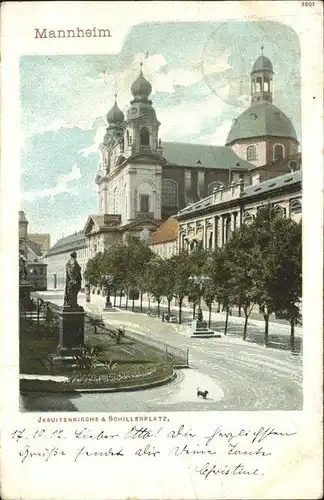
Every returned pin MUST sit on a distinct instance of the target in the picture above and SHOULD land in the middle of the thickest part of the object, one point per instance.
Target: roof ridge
(194, 144)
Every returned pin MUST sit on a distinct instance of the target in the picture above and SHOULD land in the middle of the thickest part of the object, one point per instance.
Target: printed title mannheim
(73, 33)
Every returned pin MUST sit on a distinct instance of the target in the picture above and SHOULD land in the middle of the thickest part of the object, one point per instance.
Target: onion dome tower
(115, 119)
(262, 133)
(141, 130)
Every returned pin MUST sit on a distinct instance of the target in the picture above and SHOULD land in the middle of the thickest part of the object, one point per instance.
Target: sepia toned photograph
(160, 223)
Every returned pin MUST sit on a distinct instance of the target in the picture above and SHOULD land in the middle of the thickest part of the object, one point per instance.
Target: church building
(142, 181)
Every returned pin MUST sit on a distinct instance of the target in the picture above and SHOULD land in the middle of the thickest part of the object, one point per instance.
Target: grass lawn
(111, 364)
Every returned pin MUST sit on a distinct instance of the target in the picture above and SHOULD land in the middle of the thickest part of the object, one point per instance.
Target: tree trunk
(209, 315)
(126, 305)
(149, 301)
(158, 307)
(266, 329)
(180, 311)
(245, 322)
(133, 304)
(141, 302)
(226, 321)
(169, 305)
(120, 298)
(194, 310)
(292, 334)
(115, 298)
(239, 310)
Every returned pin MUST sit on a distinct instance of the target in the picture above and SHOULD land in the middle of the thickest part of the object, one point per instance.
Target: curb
(149, 385)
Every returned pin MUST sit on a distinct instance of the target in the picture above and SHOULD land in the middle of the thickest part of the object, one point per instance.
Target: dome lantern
(261, 80)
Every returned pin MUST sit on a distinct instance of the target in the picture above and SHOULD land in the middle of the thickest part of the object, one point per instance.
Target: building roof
(168, 231)
(262, 63)
(272, 184)
(253, 190)
(201, 155)
(42, 239)
(35, 248)
(74, 241)
(259, 120)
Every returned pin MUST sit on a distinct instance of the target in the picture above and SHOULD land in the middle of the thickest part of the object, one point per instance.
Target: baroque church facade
(142, 180)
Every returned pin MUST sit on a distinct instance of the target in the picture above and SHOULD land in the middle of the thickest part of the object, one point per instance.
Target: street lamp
(108, 280)
(201, 281)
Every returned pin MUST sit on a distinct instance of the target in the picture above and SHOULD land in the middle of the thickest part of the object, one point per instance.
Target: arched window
(169, 193)
(251, 153)
(293, 166)
(266, 85)
(214, 186)
(295, 207)
(248, 218)
(115, 201)
(278, 152)
(258, 84)
(145, 137)
(280, 210)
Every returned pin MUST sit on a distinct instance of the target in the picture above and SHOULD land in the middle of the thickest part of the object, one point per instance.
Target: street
(238, 375)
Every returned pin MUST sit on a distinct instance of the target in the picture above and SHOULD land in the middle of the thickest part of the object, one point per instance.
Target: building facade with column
(59, 254)
(211, 222)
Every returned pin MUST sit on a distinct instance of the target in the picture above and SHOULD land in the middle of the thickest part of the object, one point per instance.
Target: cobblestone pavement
(238, 375)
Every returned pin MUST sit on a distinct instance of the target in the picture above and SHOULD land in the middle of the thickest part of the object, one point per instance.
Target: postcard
(161, 250)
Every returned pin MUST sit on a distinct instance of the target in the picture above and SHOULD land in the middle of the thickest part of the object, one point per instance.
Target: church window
(214, 186)
(145, 137)
(278, 152)
(129, 138)
(266, 85)
(280, 211)
(251, 153)
(169, 193)
(258, 84)
(295, 207)
(248, 218)
(144, 203)
(293, 166)
(115, 201)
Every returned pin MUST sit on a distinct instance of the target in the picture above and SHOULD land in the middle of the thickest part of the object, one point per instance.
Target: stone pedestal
(199, 329)
(71, 328)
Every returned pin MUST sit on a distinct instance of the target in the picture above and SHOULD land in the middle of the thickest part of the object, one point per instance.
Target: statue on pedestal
(73, 282)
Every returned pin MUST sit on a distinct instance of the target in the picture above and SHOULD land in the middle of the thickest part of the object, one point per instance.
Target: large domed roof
(261, 119)
(262, 63)
(141, 88)
(115, 115)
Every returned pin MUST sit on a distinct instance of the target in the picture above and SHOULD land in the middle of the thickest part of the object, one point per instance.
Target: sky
(200, 75)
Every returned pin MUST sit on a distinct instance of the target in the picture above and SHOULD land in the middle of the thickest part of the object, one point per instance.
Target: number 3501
(308, 4)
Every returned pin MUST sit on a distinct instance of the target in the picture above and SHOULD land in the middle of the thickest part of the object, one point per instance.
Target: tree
(219, 271)
(156, 280)
(277, 266)
(94, 270)
(182, 266)
(288, 288)
(241, 255)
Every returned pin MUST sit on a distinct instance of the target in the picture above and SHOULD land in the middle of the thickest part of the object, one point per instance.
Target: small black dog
(202, 393)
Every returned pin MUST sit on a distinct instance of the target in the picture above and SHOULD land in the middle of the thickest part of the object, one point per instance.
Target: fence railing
(179, 356)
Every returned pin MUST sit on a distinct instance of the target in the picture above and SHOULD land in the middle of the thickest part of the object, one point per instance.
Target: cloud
(62, 186)
(185, 123)
(94, 148)
(217, 138)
